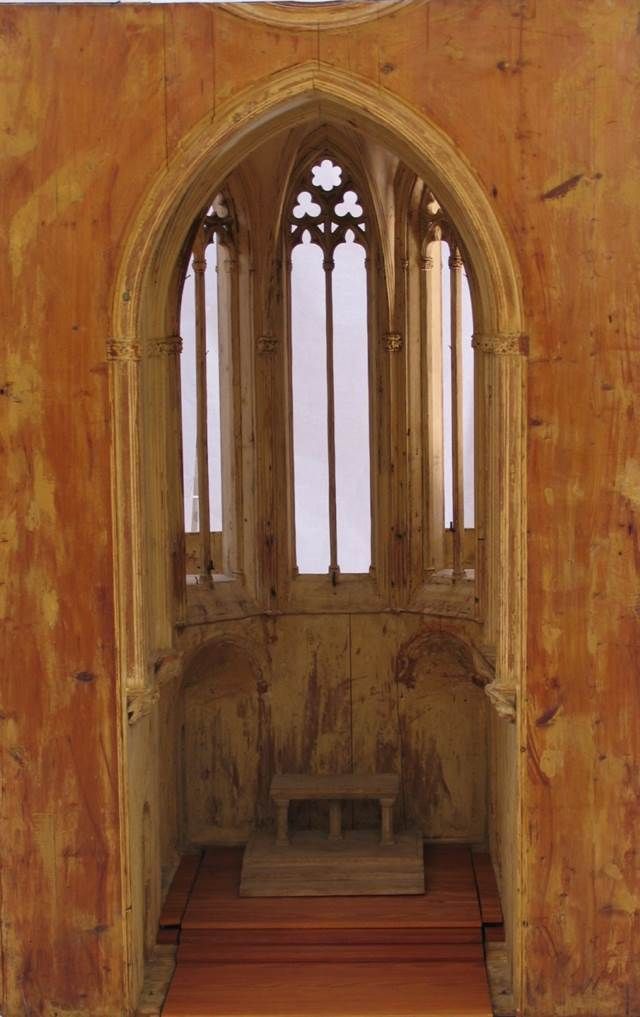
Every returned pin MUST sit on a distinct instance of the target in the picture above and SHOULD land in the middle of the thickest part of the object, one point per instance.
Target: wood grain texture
(345, 785)
(175, 902)
(62, 875)
(331, 695)
(312, 864)
(487, 888)
(340, 955)
(541, 100)
(320, 990)
(451, 903)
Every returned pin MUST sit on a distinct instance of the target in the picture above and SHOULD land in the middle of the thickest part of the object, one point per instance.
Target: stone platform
(313, 865)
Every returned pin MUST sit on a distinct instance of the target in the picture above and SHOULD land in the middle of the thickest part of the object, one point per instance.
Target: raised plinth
(313, 865)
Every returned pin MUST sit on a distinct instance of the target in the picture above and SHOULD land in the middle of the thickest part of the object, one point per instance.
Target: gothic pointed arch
(151, 605)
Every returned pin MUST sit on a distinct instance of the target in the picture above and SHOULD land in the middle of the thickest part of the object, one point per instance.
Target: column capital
(392, 341)
(503, 700)
(165, 346)
(135, 349)
(124, 349)
(501, 343)
(267, 344)
(140, 702)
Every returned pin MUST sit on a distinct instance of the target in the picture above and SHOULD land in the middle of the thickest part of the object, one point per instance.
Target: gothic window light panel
(202, 438)
(327, 239)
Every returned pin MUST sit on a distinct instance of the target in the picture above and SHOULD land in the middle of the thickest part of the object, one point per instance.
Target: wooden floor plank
(329, 990)
(213, 938)
(201, 951)
(178, 895)
(490, 907)
(450, 901)
(402, 956)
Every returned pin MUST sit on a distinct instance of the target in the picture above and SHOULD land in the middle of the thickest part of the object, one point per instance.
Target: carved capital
(501, 343)
(135, 349)
(140, 702)
(392, 342)
(267, 344)
(503, 700)
(165, 347)
(166, 666)
(123, 349)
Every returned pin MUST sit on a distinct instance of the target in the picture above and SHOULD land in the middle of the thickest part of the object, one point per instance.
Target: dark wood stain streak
(561, 189)
(548, 716)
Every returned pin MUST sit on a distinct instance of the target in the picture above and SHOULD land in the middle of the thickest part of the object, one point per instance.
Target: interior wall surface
(332, 694)
(541, 99)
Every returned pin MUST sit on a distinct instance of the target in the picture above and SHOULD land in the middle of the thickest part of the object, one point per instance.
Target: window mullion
(328, 265)
(457, 446)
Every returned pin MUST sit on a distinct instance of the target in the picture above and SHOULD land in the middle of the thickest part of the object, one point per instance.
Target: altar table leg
(335, 821)
(386, 807)
(282, 835)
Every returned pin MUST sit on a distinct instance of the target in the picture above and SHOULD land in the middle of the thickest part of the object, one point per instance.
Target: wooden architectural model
(338, 862)
(319, 389)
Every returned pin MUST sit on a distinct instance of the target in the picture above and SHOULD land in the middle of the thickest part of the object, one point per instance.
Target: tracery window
(347, 449)
(206, 331)
(327, 238)
(448, 339)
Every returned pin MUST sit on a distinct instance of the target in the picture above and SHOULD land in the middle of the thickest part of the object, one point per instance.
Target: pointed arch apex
(293, 96)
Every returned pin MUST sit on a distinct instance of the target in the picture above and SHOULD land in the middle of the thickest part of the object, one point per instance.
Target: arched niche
(149, 583)
(225, 746)
(443, 726)
(145, 337)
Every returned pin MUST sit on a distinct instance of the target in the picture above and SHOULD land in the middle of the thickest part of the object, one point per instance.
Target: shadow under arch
(144, 333)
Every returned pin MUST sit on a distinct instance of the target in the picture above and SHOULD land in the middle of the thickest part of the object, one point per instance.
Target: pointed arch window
(206, 325)
(327, 237)
(450, 438)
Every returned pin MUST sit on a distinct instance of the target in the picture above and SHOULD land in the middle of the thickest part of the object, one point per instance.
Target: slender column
(433, 467)
(282, 834)
(334, 569)
(202, 451)
(386, 809)
(457, 434)
(502, 358)
(124, 355)
(335, 820)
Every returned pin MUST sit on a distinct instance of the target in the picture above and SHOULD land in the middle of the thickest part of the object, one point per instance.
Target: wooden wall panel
(61, 883)
(189, 68)
(442, 718)
(374, 697)
(541, 99)
(329, 696)
(581, 877)
(221, 719)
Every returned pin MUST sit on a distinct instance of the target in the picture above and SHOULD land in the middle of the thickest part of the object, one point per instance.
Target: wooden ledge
(301, 786)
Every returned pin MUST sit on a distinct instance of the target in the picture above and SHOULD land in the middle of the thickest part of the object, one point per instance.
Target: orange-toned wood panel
(451, 902)
(190, 68)
(487, 888)
(181, 885)
(322, 990)
(578, 161)
(541, 99)
(63, 211)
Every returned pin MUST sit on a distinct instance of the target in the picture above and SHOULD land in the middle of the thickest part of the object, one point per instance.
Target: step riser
(205, 953)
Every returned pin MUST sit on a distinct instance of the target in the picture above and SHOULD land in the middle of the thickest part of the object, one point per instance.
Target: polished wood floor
(405, 956)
